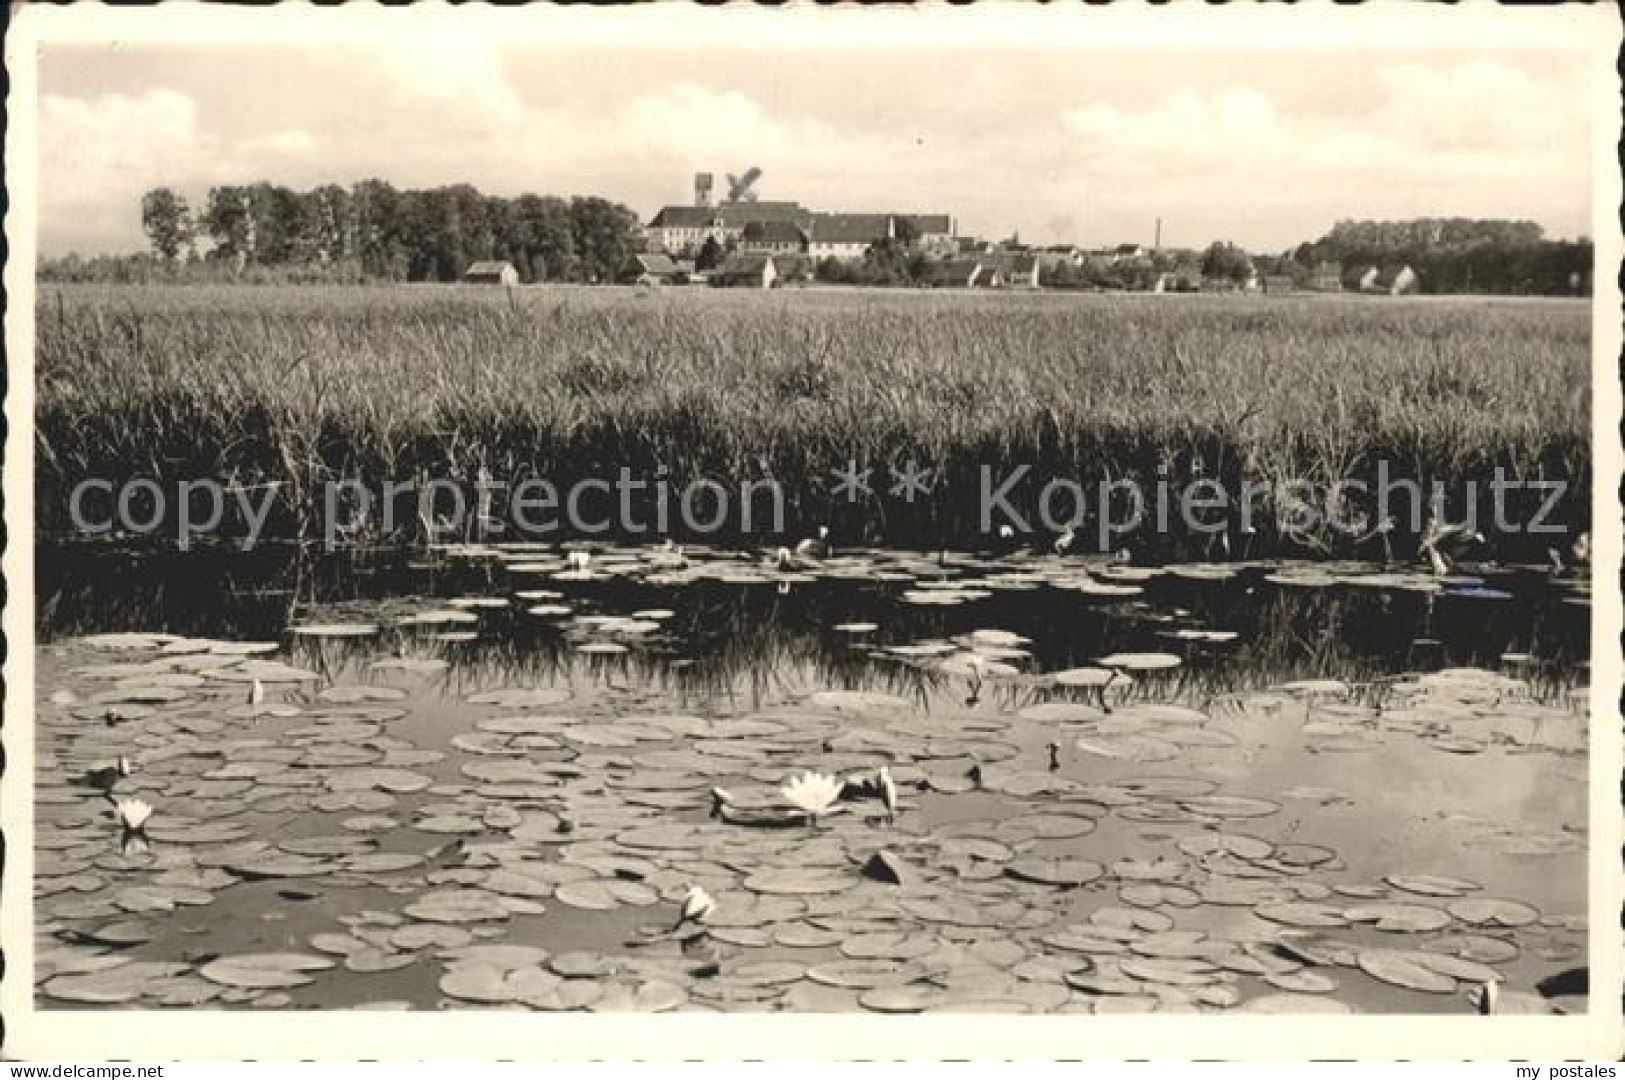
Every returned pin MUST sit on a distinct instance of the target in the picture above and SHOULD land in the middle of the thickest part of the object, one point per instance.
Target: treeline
(1459, 255)
(368, 231)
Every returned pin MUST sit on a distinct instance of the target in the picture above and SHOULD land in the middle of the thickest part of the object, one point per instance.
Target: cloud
(1483, 105)
(291, 141)
(1211, 128)
(97, 155)
(686, 114)
(727, 130)
(114, 133)
(1262, 164)
(467, 81)
(1411, 116)
(1479, 138)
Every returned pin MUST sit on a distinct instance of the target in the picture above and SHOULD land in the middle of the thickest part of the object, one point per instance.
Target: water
(1372, 741)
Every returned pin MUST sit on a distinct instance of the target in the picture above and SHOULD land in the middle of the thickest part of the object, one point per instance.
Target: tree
(1062, 274)
(543, 225)
(373, 231)
(603, 233)
(324, 231)
(711, 255)
(168, 222)
(1227, 261)
(229, 221)
(375, 222)
(1453, 254)
(277, 216)
(833, 270)
(879, 265)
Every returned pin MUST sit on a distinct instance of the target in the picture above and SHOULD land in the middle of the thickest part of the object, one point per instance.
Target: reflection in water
(518, 748)
(743, 640)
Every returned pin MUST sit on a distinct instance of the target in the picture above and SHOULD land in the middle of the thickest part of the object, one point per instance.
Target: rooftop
(850, 228)
(775, 232)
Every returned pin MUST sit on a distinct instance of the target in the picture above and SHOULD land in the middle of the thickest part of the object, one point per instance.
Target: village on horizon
(266, 233)
(743, 240)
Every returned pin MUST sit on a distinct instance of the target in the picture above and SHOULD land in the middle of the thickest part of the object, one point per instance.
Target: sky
(1265, 148)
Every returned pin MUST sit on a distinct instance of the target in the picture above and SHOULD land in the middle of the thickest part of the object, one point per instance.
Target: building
(848, 236)
(1402, 281)
(736, 215)
(1389, 281)
(491, 272)
(773, 238)
(656, 269)
(1057, 255)
(1185, 280)
(1022, 271)
(1017, 268)
(685, 229)
(746, 271)
(964, 274)
(933, 233)
(1326, 277)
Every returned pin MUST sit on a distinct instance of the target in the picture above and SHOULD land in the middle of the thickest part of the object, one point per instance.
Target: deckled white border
(1592, 33)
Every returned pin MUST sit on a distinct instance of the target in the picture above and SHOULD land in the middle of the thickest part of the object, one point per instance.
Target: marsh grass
(298, 386)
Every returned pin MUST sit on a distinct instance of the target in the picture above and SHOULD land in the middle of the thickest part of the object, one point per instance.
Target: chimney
(702, 189)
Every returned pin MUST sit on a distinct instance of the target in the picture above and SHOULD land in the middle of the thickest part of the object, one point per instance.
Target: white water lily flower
(720, 801)
(697, 907)
(888, 793)
(133, 813)
(812, 792)
(1490, 1000)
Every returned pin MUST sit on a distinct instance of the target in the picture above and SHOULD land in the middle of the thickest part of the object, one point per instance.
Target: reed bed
(300, 386)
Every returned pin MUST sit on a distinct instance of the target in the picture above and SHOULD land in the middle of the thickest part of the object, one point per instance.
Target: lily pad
(1477, 947)
(653, 996)
(335, 630)
(911, 998)
(122, 983)
(1405, 969)
(1493, 912)
(1140, 661)
(265, 970)
(800, 881)
(1431, 884)
(1399, 918)
(457, 906)
(864, 974)
(1065, 873)
(1087, 677)
(1309, 916)
(1302, 982)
